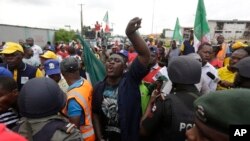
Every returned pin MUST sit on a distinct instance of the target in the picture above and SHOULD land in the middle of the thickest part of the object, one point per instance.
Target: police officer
(214, 117)
(39, 102)
(168, 118)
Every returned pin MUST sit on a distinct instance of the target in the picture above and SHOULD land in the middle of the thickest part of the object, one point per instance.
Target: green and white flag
(201, 28)
(177, 35)
(95, 70)
(106, 20)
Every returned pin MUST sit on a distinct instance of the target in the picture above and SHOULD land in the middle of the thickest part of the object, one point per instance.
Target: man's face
(153, 58)
(21, 42)
(205, 53)
(30, 42)
(220, 39)
(191, 36)
(173, 44)
(161, 51)
(6, 99)
(29, 52)
(42, 60)
(115, 65)
(14, 59)
(237, 56)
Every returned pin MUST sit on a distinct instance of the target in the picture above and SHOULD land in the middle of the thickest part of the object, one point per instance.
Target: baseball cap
(153, 49)
(51, 66)
(49, 55)
(5, 72)
(51, 48)
(238, 45)
(124, 53)
(209, 109)
(243, 67)
(11, 47)
(69, 64)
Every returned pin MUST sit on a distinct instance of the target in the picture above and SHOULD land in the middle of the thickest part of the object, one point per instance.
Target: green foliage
(64, 35)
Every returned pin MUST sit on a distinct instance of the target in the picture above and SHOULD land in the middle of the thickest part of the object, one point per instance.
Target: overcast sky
(56, 14)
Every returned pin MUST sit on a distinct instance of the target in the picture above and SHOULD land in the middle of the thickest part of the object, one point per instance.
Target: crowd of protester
(150, 93)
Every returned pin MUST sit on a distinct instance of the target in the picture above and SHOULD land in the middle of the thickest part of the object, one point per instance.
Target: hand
(226, 84)
(154, 96)
(133, 25)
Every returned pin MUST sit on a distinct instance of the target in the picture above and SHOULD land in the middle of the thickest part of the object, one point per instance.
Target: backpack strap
(16, 128)
(48, 130)
(24, 128)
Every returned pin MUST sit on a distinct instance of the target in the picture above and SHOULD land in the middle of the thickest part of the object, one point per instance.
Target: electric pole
(81, 20)
(153, 17)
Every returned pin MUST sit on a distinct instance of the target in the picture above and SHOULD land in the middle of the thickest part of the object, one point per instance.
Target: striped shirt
(9, 118)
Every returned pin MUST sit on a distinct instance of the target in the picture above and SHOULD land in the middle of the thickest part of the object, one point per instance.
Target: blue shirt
(129, 101)
(74, 108)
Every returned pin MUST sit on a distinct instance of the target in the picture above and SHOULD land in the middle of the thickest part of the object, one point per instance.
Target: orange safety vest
(222, 53)
(83, 96)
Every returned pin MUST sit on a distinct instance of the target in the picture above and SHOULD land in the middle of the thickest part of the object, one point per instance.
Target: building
(12, 33)
(168, 33)
(230, 29)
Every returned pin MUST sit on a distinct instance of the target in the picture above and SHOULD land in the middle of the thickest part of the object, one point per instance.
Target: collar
(206, 65)
(77, 84)
(156, 66)
(184, 88)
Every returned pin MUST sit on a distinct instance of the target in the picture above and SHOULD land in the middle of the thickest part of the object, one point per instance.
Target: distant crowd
(149, 93)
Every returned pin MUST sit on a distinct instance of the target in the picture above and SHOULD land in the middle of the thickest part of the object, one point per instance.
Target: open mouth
(110, 69)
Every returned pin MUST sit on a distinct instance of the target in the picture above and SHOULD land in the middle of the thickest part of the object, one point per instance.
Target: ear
(14, 93)
(125, 66)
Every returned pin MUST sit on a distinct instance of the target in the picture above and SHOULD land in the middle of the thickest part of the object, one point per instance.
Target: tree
(64, 35)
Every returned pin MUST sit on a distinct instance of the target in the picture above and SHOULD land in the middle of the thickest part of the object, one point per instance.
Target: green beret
(220, 109)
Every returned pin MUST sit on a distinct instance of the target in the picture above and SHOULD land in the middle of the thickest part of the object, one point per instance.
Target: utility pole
(81, 20)
(153, 16)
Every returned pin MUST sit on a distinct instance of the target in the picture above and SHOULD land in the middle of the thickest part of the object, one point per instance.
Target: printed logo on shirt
(24, 80)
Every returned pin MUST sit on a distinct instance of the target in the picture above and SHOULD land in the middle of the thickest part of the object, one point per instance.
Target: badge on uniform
(200, 113)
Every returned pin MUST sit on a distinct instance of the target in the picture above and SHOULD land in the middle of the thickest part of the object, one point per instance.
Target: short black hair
(70, 65)
(8, 83)
(203, 44)
(71, 50)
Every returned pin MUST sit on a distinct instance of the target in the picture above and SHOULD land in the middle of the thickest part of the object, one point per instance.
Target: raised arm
(139, 44)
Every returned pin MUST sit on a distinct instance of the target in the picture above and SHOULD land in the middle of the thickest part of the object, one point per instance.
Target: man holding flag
(116, 99)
